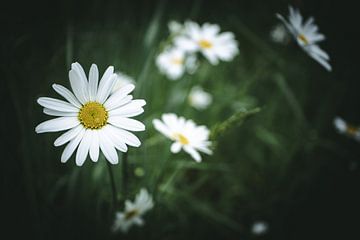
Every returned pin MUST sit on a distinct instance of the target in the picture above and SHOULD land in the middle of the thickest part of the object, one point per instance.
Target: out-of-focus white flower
(175, 27)
(346, 129)
(132, 215)
(185, 134)
(307, 36)
(199, 99)
(171, 62)
(121, 80)
(279, 34)
(93, 117)
(213, 45)
(259, 228)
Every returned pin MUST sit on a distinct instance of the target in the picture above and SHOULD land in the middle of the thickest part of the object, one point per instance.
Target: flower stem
(113, 186)
(124, 174)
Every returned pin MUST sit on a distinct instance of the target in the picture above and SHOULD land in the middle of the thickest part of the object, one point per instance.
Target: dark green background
(317, 197)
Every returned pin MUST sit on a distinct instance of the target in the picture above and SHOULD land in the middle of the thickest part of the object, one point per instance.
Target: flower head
(213, 45)
(199, 99)
(344, 128)
(185, 134)
(133, 212)
(93, 117)
(279, 34)
(307, 36)
(171, 62)
(259, 228)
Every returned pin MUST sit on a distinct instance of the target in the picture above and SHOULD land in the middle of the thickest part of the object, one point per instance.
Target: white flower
(307, 36)
(95, 118)
(213, 45)
(259, 228)
(171, 62)
(132, 215)
(199, 99)
(346, 129)
(185, 134)
(279, 34)
(121, 80)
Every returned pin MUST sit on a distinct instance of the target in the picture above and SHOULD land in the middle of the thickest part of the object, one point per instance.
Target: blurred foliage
(284, 165)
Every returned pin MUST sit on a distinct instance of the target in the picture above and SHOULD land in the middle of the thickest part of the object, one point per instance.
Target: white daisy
(175, 27)
(171, 62)
(121, 80)
(279, 34)
(307, 36)
(346, 129)
(199, 99)
(93, 116)
(132, 215)
(185, 134)
(259, 228)
(213, 45)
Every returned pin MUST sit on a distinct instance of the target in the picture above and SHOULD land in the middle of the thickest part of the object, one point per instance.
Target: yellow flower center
(131, 214)
(303, 39)
(205, 44)
(93, 115)
(177, 61)
(352, 130)
(181, 138)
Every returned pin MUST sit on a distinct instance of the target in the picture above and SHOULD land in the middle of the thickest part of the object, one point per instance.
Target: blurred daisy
(346, 129)
(122, 80)
(95, 118)
(279, 34)
(132, 215)
(199, 99)
(213, 45)
(175, 27)
(259, 228)
(307, 36)
(185, 134)
(171, 62)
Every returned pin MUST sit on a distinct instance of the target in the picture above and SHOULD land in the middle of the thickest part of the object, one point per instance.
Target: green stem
(113, 186)
(124, 174)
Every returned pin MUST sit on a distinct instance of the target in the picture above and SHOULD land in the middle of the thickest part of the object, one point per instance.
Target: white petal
(56, 104)
(175, 147)
(115, 139)
(94, 147)
(93, 81)
(161, 127)
(194, 154)
(126, 123)
(83, 149)
(65, 93)
(134, 106)
(107, 83)
(115, 102)
(70, 148)
(128, 137)
(79, 87)
(68, 136)
(108, 149)
(51, 112)
(57, 124)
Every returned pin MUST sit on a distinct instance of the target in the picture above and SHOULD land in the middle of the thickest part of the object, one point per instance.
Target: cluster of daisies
(189, 39)
(97, 115)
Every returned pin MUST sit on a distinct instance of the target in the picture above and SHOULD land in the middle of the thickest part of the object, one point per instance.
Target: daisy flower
(93, 117)
(185, 134)
(175, 27)
(199, 99)
(307, 36)
(279, 34)
(344, 128)
(213, 45)
(259, 228)
(121, 80)
(132, 215)
(172, 63)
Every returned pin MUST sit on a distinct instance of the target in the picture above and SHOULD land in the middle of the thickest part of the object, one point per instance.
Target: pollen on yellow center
(303, 39)
(205, 44)
(177, 61)
(93, 115)
(351, 130)
(131, 214)
(181, 138)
